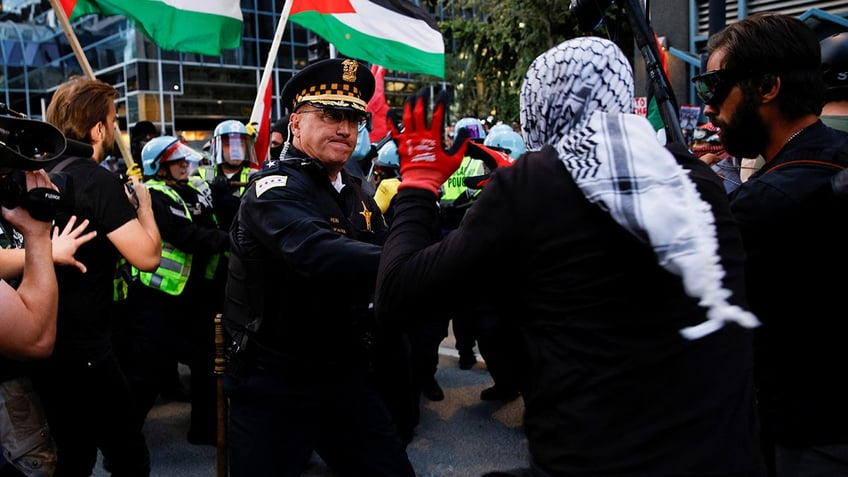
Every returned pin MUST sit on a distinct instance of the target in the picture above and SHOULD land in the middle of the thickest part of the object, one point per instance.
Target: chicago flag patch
(268, 183)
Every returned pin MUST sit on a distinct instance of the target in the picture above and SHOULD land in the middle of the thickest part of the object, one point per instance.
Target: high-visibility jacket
(455, 185)
(175, 265)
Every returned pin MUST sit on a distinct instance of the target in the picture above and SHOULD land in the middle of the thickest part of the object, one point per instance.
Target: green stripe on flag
(171, 28)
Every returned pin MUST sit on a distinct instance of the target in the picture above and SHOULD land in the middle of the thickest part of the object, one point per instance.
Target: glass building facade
(181, 93)
(191, 93)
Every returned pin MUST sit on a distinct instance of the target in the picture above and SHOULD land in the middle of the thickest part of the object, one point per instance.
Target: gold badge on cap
(349, 68)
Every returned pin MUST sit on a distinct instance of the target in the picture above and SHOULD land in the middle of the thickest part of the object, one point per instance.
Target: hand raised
(424, 162)
(66, 243)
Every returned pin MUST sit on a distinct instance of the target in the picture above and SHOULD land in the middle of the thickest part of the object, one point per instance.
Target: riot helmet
(164, 149)
(363, 144)
(499, 127)
(508, 141)
(834, 61)
(386, 164)
(476, 131)
(231, 144)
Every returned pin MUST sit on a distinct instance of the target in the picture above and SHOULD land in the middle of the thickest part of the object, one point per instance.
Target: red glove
(491, 157)
(424, 162)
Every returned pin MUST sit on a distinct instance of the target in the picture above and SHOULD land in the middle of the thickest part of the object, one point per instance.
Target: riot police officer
(232, 152)
(173, 307)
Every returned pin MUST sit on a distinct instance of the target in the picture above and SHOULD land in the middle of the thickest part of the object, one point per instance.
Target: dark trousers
(161, 330)
(277, 419)
(89, 406)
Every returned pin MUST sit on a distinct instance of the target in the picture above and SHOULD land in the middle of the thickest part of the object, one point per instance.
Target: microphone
(589, 13)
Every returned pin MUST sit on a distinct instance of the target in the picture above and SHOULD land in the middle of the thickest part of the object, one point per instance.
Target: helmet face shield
(233, 149)
(164, 149)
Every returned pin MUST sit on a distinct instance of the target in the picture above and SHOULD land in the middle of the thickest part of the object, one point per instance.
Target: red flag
(378, 106)
(262, 142)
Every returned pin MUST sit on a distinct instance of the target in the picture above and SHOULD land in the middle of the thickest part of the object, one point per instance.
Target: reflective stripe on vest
(175, 265)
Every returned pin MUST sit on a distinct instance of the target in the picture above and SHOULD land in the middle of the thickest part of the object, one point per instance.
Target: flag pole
(269, 63)
(89, 72)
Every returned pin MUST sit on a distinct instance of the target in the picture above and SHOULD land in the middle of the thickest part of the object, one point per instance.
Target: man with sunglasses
(763, 89)
(306, 244)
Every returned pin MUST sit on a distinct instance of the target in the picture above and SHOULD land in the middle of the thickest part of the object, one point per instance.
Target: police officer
(305, 250)
(175, 305)
(454, 202)
(232, 152)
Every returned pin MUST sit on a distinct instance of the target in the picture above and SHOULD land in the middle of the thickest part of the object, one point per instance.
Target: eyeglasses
(714, 86)
(335, 116)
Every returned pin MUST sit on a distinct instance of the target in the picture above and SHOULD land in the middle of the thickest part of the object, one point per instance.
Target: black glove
(220, 184)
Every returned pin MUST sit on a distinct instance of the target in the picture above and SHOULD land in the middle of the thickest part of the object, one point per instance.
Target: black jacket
(795, 234)
(304, 263)
(613, 388)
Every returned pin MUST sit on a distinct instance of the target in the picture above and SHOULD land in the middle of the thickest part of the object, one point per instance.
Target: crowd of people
(661, 309)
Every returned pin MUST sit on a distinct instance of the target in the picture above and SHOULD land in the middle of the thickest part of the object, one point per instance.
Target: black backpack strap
(812, 162)
(834, 156)
(65, 162)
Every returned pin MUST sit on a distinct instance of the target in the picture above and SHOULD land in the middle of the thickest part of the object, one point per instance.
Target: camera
(28, 145)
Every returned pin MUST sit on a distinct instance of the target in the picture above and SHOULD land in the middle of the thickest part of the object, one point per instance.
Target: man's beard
(107, 147)
(746, 135)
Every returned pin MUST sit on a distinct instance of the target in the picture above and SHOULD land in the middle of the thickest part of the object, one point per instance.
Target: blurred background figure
(834, 51)
(142, 132)
(706, 144)
(279, 133)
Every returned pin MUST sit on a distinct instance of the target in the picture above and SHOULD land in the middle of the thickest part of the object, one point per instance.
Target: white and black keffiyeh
(578, 97)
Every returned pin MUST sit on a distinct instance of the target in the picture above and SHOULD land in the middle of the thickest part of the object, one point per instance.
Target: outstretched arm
(28, 315)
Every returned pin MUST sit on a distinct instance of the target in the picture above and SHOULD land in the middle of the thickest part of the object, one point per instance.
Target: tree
(491, 43)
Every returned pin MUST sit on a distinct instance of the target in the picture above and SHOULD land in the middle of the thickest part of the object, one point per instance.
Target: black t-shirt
(85, 299)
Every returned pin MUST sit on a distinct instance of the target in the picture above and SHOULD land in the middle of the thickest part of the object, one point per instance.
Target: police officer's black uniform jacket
(303, 266)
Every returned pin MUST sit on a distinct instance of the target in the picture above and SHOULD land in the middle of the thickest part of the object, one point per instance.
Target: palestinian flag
(396, 34)
(191, 26)
(262, 141)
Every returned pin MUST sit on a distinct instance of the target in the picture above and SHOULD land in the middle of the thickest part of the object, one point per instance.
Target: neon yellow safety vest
(455, 185)
(175, 265)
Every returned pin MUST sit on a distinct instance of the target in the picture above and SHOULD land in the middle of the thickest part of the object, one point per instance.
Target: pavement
(460, 436)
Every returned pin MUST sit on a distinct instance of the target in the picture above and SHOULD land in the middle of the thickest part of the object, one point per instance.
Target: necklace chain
(793, 135)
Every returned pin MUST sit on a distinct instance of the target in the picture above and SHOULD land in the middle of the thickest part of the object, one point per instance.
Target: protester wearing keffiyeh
(581, 105)
(599, 245)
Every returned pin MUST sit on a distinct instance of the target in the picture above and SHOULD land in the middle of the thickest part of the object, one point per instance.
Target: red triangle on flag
(324, 7)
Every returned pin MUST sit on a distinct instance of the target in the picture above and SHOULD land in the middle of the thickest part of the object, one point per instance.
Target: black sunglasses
(336, 116)
(714, 86)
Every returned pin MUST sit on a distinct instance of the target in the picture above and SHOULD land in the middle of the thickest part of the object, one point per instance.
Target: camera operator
(28, 289)
(28, 315)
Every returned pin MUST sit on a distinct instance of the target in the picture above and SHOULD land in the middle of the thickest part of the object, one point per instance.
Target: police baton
(220, 367)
